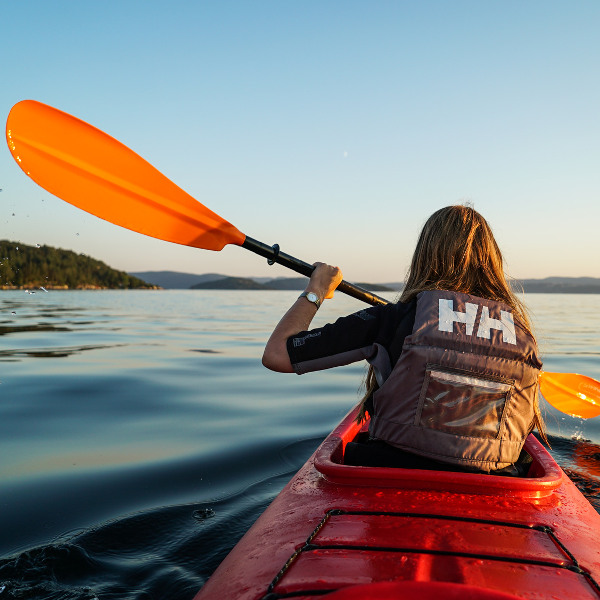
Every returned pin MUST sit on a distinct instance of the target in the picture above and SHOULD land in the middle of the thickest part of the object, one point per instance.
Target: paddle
(574, 394)
(98, 174)
(93, 171)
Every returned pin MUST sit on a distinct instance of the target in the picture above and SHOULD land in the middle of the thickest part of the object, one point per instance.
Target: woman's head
(457, 251)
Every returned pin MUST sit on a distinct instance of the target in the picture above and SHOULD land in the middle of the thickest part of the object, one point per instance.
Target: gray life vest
(464, 388)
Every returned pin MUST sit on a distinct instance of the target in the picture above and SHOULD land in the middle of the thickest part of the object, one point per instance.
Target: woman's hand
(323, 281)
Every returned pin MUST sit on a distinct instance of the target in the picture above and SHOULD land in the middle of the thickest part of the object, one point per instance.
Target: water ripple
(150, 437)
(53, 352)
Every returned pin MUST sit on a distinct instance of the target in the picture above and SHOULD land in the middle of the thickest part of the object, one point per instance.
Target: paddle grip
(273, 254)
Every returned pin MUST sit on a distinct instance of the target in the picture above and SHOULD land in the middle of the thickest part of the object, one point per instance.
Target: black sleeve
(355, 337)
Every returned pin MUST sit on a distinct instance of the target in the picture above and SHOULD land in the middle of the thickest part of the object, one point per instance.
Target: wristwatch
(311, 297)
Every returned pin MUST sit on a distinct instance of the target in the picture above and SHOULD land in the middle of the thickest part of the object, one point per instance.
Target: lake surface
(140, 435)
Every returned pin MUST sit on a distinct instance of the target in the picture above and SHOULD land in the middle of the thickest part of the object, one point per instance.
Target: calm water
(140, 436)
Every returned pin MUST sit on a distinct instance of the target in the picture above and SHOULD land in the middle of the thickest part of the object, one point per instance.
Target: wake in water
(170, 552)
(580, 460)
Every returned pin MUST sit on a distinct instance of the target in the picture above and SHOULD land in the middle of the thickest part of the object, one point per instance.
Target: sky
(333, 128)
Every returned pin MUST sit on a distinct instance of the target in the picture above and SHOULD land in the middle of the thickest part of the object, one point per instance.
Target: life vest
(464, 388)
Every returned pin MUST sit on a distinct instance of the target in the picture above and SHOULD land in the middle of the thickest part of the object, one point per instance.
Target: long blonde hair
(457, 251)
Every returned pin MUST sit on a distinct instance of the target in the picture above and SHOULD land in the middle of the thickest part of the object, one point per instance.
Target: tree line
(23, 266)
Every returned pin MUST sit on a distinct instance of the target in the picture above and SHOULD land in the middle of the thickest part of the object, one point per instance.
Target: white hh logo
(448, 316)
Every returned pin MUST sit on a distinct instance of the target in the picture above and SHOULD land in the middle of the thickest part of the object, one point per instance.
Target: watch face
(312, 297)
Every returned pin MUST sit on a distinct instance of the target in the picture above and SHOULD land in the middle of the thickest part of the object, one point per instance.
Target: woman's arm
(323, 282)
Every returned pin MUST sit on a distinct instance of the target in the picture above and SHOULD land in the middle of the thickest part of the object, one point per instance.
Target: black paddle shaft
(273, 255)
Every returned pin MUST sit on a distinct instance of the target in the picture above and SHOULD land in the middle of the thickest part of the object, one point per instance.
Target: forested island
(23, 266)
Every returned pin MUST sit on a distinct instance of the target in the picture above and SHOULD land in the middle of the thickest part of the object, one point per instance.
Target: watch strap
(313, 298)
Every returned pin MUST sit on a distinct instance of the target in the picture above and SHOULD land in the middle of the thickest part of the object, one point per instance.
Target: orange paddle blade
(574, 394)
(98, 174)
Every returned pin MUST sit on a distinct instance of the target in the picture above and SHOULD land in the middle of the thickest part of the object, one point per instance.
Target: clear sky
(334, 128)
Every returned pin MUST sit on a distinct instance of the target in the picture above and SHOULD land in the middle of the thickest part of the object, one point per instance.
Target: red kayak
(346, 533)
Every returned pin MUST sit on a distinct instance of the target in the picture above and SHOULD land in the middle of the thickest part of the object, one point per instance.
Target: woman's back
(457, 280)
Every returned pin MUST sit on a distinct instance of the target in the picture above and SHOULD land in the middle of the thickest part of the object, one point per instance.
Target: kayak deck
(334, 527)
(416, 547)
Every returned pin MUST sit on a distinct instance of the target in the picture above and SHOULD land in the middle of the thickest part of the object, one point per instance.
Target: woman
(452, 381)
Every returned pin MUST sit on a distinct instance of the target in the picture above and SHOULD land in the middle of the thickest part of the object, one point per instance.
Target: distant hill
(559, 285)
(286, 283)
(397, 286)
(214, 281)
(230, 283)
(548, 285)
(174, 280)
(376, 287)
(299, 283)
(254, 283)
(291, 283)
(23, 266)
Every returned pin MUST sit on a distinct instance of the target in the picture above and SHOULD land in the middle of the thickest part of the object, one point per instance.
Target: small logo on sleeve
(364, 315)
(299, 341)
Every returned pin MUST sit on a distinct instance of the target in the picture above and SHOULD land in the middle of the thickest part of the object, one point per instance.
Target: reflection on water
(580, 459)
(51, 353)
(10, 329)
(149, 437)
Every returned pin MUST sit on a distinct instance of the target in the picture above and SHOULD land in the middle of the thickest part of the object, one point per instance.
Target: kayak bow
(338, 531)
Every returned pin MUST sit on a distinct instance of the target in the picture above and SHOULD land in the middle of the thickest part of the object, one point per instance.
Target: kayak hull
(338, 531)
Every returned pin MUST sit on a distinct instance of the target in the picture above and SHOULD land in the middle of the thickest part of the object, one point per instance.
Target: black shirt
(375, 334)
